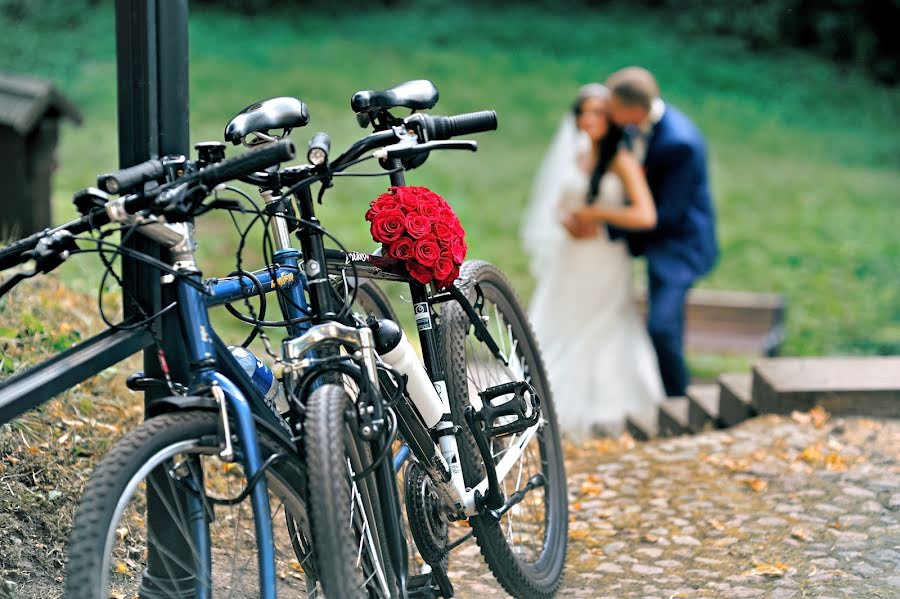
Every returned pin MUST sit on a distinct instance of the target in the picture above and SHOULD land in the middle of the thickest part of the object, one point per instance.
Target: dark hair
(606, 151)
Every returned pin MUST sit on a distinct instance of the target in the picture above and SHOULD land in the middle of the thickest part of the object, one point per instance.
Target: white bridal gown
(601, 363)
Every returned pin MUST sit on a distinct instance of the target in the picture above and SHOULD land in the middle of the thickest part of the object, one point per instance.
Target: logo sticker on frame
(423, 318)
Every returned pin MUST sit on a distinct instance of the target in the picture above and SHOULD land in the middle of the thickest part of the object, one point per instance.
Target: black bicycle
(477, 416)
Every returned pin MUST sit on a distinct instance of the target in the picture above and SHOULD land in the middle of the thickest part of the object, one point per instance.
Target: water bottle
(396, 350)
(261, 376)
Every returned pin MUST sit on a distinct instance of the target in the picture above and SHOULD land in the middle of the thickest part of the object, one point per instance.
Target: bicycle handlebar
(247, 163)
(445, 127)
(128, 179)
(212, 175)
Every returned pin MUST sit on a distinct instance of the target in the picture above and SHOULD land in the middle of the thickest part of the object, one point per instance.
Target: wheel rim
(234, 562)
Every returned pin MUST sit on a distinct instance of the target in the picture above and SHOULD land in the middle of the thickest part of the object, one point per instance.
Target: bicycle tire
(333, 455)
(108, 549)
(523, 573)
(371, 300)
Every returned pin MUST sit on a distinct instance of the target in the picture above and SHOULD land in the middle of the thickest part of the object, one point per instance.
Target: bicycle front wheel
(348, 529)
(163, 516)
(526, 548)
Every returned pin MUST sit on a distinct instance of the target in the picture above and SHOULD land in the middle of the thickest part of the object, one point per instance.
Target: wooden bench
(731, 322)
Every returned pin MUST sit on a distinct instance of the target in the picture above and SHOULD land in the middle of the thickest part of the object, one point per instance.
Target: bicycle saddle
(275, 113)
(417, 94)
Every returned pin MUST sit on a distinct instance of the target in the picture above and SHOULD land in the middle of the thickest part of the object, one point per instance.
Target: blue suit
(682, 247)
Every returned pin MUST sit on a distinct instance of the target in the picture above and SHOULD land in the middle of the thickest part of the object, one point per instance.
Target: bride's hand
(578, 229)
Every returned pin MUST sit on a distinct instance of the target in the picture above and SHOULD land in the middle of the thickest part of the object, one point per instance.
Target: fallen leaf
(771, 570)
(811, 454)
(757, 484)
(835, 463)
(819, 416)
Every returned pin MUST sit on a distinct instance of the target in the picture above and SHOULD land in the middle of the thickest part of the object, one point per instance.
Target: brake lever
(405, 150)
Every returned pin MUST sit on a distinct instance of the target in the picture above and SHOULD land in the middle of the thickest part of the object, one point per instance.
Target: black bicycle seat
(276, 113)
(417, 95)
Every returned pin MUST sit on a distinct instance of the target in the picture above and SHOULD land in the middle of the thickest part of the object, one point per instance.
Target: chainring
(427, 519)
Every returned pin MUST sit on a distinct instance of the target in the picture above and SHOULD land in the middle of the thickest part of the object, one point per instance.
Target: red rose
(450, 278)
(408, 197)
(417, 225)
(443, 267)
(387, 226)
(429, 197)
(443, 233)
(420, 273)
(426, 251)
(384, 202)
(429, 210)
(402, 249)
(458, 231)
(458, 249)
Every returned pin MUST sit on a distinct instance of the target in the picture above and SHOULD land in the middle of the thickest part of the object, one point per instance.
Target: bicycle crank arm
(535, 482)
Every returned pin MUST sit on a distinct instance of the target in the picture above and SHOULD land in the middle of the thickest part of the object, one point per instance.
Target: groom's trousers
(665, 323)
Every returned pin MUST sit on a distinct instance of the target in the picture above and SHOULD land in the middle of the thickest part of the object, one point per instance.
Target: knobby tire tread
(489, 536)
(116, 469)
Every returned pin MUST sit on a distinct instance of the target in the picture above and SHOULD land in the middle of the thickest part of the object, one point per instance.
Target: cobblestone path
(779, 507)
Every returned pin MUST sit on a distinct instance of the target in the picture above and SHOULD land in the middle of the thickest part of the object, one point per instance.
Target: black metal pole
(152, 69)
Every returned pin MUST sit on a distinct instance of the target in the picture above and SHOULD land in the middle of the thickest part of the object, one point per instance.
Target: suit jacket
(682, 246)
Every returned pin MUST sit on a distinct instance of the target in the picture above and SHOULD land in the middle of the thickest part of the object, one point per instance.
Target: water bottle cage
(517, 406)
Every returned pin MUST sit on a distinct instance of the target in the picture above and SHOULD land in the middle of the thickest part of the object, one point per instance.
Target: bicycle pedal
(496, 416)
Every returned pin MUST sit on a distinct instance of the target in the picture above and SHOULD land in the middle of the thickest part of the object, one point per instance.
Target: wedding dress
(596, 349)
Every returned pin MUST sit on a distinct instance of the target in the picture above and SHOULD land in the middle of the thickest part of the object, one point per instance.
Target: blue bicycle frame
(214, 369)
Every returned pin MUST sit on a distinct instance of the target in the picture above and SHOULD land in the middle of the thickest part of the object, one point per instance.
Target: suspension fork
(226, 391)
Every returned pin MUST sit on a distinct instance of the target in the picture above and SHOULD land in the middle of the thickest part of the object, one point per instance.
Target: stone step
(868, 386)
(673, 417)
(643, 426)
(734, 398)
(703, 407)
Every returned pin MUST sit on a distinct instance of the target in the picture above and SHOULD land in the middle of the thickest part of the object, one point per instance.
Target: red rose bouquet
(417, 226)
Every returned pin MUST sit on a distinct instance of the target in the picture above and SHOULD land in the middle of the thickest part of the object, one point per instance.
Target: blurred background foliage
(797, 99)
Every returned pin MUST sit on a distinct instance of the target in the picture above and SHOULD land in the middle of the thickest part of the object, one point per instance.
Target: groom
(682, 247)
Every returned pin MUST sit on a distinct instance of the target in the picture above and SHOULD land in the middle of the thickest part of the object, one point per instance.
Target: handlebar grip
(13, 254)
(128, 179)
(245, 164)
(445, 127)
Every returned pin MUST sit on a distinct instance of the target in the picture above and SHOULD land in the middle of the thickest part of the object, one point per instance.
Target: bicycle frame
(440, 460)
(370, 266)
(213, 370)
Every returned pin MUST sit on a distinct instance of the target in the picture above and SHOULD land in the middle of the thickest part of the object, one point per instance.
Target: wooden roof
(25, 101)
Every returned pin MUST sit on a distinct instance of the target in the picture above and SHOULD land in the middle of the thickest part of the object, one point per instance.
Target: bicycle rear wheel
(346, 517)
(526, 548)
(371, 300)
(119, 537)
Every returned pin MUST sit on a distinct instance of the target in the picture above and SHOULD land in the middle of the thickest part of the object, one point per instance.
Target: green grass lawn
(804, 155)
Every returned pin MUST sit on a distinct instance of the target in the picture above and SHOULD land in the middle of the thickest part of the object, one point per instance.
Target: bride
(599, 357)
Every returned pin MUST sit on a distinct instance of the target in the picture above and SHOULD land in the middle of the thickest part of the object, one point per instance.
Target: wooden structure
(30, 110)
(732, 322)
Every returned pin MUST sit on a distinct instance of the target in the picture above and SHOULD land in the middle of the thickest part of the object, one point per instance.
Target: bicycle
(195, 425)
(183, 464)
(468, 422)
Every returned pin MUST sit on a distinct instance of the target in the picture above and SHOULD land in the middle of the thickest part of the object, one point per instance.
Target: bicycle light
(319, 145)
